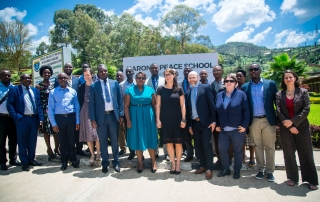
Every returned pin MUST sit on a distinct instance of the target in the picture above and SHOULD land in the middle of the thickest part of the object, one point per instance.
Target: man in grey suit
(106, 109)
(154, 82)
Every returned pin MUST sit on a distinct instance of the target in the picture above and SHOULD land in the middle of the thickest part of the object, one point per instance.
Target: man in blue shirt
(261, 95)
(63, 113)
(23, 105)
(7, 127)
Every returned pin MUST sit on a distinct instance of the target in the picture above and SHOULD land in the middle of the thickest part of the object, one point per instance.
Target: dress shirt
(3, 91)
(28, 109)
(185, 85)
(217, 85)
(226, 101)
(194, 93)
(108, 106)
(123, 87)
(257, 98)
(63, 101)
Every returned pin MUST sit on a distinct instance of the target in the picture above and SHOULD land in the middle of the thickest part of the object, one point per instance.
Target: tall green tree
(94, 12)
(182, 22)
(42, 48)
(283, 62)
(14, 43)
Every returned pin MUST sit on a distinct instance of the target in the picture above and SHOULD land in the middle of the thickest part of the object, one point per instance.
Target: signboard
(56, 59)
(198, 62)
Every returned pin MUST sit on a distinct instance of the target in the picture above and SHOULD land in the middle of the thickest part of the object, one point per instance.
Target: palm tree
(283, 62)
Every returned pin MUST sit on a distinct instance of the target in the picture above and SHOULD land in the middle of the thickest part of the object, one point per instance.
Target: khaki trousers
(264, 137)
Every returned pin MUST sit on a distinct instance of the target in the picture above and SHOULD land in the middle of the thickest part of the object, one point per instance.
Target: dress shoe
(131, 156)
(139, 170)
(121, 152)
(104, 169)
(224, 173)
(236, 174)
(15, 163)
(177, 172)
(209, 174)
(117, 168)
(75, 163)
(153, 170)
(200, 170)
(188, 158)
(3, 167)
(34, 163)
(218, 162)
(64, 165)
(83, 153)
(25, 168)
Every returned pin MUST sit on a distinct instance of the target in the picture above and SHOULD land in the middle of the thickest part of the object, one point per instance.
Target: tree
(94, 12)
(42, 48)
(204, 40)
(196, 48)
(183, 22)
(14, 42)
(283, 62)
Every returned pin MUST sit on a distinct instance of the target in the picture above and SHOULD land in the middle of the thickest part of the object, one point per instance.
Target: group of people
(223, 117)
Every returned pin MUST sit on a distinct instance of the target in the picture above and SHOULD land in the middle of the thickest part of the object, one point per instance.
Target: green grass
(314, 115)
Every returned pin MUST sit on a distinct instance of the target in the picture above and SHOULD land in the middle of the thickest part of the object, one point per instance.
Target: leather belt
(108, 112)
(65, 115)
(260, 117)
(196, 119)
(4, 114)
(30, 115)
(141, 105)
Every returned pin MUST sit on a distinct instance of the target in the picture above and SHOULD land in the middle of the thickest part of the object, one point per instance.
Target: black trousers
(67, 129)
(7, 129)
(302, 144)
(202, 144)
(189, 142)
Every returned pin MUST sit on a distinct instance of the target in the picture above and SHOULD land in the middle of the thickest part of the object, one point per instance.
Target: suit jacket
(75, 83)
(161, 82)
(269, 97)
(81, 92)
(237, 112)
(301, 103)
(205, 106)
(96, 101)
(15, 103)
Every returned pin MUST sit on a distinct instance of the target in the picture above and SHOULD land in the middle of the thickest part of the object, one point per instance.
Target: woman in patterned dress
(248, 141)
(44, 87)
(87, 133)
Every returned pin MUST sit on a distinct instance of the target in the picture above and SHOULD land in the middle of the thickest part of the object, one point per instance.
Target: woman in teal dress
(139, 105)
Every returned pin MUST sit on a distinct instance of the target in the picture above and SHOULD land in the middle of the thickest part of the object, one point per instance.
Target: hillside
(241, 48)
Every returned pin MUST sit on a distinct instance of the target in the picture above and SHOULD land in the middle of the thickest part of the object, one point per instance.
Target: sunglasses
(229, 81)
(254, 69)
(141, 78)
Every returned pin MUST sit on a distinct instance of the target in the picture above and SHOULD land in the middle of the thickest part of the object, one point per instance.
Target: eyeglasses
(254, 69)
(141, 78)
(23, 77)
(166, 75)
(216, 70)
(229, 81)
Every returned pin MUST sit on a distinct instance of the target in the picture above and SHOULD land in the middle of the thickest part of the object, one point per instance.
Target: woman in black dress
(44, 87)
(171, 117)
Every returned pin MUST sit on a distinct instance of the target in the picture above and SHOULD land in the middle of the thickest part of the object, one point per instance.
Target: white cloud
(40, 24)
(11, 13)
(244, 36)
(36, 43)
(51, 27)
(304, 10)
(234, 13)
(146, 21)
(205, 5)
(108, 13)
(290, 38)
(33, 30)
(145, 6)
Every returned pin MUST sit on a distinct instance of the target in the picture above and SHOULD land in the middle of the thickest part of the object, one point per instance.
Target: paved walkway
(48, 183)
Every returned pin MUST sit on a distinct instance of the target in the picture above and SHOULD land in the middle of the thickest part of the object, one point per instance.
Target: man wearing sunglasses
(261, 95)
(23, 105)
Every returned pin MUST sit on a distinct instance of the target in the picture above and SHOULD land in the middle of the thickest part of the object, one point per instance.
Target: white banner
(56, 59)
(198, 62)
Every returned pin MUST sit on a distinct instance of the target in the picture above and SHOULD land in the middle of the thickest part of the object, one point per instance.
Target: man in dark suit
(261, 95)
(106, 109)
(73, 82)
(201, 119)
(24, 107)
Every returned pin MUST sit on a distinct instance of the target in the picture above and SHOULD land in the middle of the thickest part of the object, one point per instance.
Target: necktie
(70, 81)
(32, 101)
(107, 91)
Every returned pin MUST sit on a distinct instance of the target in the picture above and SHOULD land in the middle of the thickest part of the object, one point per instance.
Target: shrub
(315, 100)
(314, 94)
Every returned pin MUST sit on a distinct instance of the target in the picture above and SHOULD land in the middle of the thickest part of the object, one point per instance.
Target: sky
(270, 23)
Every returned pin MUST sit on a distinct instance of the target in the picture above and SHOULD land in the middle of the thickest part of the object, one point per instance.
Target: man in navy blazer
(201, 119)
(23, 104)
(106, 109)
(261, 94)
(74, 83)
